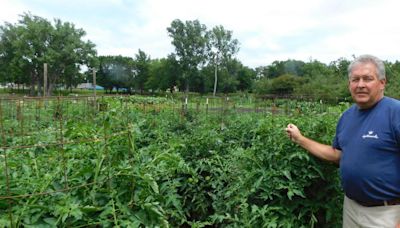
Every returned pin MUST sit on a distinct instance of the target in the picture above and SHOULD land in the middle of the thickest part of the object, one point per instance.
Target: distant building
(10, 85)
(89, 86)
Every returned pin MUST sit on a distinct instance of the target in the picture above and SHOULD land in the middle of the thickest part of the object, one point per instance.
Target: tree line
(204, 61)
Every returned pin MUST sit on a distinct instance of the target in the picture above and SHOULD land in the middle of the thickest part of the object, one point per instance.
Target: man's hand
(293, 132)
(325, 152)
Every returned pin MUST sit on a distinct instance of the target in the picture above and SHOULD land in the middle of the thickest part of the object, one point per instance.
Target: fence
(34, 128)
(37, 132)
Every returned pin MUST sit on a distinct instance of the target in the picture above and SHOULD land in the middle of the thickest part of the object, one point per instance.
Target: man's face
(365, 86)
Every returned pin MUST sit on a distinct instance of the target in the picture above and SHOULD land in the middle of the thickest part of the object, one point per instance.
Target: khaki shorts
(357, 216)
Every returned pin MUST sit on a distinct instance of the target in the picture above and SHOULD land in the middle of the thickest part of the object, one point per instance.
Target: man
(367, 148)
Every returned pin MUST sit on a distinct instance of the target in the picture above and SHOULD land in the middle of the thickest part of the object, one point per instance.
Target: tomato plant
(130, 166)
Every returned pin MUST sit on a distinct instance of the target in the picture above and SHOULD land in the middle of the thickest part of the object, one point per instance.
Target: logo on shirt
(371, 135)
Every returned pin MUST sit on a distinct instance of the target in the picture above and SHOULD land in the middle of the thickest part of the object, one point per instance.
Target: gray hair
(380, 67)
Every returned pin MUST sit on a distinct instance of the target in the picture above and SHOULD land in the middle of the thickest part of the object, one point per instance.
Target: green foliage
(189, 39)
(393, 79)
(142, 70)
(285, 84)
(115, 72)
(165, 74)
(262, 86)
(278, 68)
(161, 169)
(327, 89)
(221, 48)
(203, 62)
(340, 67)
(313, 79)
(26, 46)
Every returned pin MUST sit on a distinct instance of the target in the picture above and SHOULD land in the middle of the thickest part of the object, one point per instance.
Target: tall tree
(12, 69)
(221, 47)
(26, 46)
(164, 74)
(189, 39)
(142, 68)
(67, 53)
(340, 67)
(116, 72)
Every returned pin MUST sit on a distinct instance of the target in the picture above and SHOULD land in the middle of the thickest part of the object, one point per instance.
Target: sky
(267, 30)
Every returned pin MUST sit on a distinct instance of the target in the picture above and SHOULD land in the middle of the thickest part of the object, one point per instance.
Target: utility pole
(45, 79)
(94, 88)
(94, 82)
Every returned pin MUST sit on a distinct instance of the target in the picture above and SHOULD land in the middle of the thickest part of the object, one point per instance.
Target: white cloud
(11, 10)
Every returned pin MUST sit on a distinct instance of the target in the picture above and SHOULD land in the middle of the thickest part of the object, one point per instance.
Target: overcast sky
(267, 30)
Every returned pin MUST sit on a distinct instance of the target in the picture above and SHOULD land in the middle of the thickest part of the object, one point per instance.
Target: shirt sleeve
(336, 141)
(397, 132)
(396, 125)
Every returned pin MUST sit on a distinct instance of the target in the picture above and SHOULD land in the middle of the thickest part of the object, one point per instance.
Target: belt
(380, 203)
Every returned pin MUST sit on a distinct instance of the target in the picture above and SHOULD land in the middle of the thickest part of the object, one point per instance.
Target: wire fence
(35, 133)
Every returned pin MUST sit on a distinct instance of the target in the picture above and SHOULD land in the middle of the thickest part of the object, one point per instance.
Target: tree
(278, 68)
(231, 78)
(164, 74)
(67, 53)
(246, 77)
(340, 67)
(189, 39)
(261, 72)
(285, 84)
(116, 72)
(393, 79)
(314, 69)
(142, 68)
(11, 70)
(26, 46)
(221, 47)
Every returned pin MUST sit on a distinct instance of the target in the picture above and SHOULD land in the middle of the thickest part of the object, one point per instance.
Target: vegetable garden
(157, 162)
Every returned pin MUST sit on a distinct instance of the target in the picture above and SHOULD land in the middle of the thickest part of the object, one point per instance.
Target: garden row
(126, 167)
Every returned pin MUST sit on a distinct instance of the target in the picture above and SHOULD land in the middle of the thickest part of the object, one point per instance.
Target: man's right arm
(325, 152)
